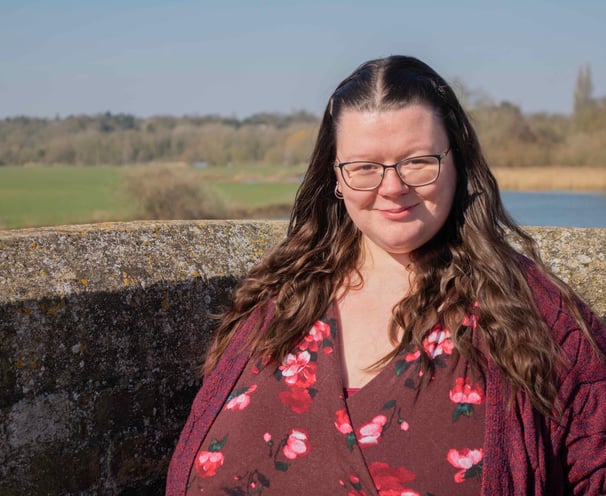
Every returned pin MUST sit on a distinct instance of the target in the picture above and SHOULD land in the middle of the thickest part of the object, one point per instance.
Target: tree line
(510, 137)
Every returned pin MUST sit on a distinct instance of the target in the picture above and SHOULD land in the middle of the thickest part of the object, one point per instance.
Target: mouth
(396, 212)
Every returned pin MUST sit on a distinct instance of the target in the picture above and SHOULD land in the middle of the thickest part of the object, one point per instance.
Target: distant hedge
(510, 138)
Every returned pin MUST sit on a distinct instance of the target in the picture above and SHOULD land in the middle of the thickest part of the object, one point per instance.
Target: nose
(392, 184)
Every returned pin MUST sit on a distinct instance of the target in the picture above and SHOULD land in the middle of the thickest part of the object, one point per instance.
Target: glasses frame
(439, 157)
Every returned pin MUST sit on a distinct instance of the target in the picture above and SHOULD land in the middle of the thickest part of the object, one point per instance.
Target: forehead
(382, 134)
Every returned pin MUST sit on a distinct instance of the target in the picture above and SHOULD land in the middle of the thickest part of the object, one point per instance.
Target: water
(556, 208)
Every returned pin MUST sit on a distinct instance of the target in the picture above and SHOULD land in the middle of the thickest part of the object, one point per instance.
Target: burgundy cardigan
(524, 453)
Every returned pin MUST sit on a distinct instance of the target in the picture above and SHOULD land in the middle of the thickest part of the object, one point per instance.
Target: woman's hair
(468, 262)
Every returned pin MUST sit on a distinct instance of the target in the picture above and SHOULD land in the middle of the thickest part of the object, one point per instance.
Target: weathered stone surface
(578, 257)
(102, 328)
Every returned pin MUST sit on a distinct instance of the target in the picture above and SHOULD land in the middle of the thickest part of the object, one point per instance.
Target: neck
(375, 259)
(382, 273)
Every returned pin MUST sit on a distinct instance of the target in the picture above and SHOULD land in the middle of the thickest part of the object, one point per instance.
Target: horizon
(236, 59)
(214, 115)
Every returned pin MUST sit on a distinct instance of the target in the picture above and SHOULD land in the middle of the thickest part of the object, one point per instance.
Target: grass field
(253, 195)
(45, 196)
(40, 196)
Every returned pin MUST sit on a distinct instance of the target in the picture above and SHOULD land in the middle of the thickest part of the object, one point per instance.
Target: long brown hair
(470, 260)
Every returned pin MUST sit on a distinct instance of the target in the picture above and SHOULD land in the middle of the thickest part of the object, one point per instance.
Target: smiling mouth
(398, 213)
(396, 210)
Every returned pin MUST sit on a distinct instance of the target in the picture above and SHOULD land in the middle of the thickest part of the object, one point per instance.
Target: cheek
(442, 196)
(438, 198)
(450, 189)
(357, 200)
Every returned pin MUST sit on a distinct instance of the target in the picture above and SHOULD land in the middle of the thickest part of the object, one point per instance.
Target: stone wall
(102, 328)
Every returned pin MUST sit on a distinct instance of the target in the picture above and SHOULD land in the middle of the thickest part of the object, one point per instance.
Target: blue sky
(236, 57)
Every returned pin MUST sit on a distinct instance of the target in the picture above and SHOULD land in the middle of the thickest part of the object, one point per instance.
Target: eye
(361, 168)
(419, 162)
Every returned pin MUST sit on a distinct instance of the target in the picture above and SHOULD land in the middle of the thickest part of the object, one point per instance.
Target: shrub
(173, 192)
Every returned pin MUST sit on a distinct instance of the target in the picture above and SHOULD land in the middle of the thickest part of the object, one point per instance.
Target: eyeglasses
(363, 175)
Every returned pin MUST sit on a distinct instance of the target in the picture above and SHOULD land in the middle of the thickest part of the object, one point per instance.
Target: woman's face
(396, 219)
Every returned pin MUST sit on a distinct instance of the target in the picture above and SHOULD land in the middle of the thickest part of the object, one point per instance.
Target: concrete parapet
(102, 328)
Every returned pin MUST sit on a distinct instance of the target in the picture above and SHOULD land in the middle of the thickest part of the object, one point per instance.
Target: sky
(239, 57)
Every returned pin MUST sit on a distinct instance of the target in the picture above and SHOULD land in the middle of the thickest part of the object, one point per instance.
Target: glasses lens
(363, 175)
(418, 171)
(414, 171)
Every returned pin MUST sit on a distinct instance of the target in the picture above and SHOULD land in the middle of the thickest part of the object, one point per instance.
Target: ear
(338, 193)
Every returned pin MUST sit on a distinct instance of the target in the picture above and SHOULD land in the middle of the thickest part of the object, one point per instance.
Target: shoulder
(217, 383)
(547, 296)
(551, 304)
(256, 322)
(584, 364)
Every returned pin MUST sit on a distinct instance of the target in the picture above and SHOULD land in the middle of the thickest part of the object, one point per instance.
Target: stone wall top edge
(142, 225)
(110, 257)
(132, 226)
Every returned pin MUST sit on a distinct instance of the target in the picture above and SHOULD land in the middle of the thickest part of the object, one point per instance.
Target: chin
(403, 246)
(399, 248)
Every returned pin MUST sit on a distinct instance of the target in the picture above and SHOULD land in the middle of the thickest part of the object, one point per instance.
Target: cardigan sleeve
(209, 400)
(579, 437)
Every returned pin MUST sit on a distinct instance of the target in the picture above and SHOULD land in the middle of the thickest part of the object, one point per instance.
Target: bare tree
(583, 89)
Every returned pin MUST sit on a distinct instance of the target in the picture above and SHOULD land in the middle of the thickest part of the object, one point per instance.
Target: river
(556, 208)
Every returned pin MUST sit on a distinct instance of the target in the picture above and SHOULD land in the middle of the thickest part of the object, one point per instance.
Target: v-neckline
(359, 390)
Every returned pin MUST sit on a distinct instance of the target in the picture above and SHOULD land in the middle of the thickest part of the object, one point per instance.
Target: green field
(40, 196)
(46, 196)
(258, 194)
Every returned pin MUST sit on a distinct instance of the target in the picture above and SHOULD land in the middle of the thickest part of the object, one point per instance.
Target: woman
(395, 342)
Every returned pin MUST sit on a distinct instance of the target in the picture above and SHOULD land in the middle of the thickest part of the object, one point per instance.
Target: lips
(397, 212)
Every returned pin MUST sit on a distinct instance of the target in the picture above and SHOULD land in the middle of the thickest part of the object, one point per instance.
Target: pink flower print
(468, 460)
(412, 356)
(354, 480)
(298, 399)
(298, 371)
(267, 437)
(465, 395)
(464, 392)
(207, 463)
(471, 319)
(438, 342)
(240, 399)
(297, 444)
(260, 365)
(370, 433)
(356, 485)
(343, 424)
(390, 481)
(314, 338)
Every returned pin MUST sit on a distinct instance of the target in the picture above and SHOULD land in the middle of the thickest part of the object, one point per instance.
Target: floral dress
(291, 428)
